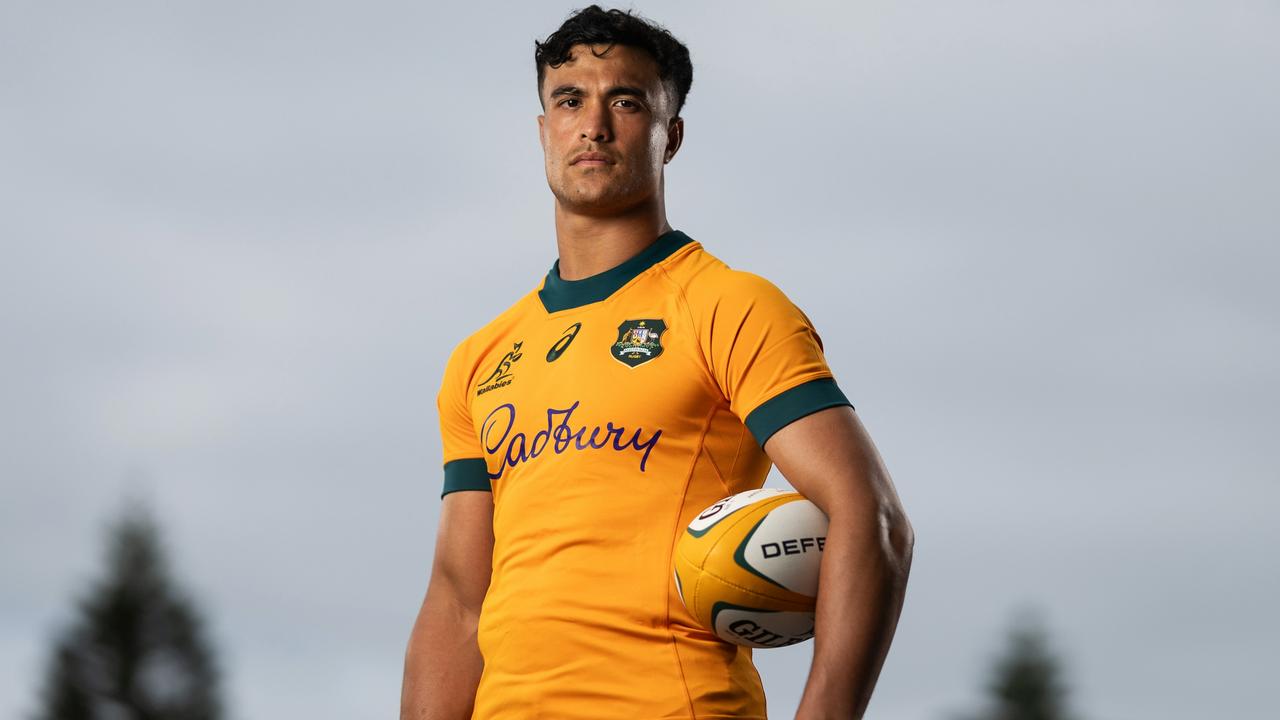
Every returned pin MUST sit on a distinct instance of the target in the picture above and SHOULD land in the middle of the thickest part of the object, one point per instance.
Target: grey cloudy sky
(1040, 241)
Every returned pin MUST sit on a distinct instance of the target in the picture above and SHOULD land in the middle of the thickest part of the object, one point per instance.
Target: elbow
(898, 538)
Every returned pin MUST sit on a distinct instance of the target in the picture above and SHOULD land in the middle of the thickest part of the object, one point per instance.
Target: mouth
(592, 159)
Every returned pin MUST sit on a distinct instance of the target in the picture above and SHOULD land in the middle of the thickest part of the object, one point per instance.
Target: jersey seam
(712, 461)
(742, 437)
(675, 535)
(714, 466)
(707, 376)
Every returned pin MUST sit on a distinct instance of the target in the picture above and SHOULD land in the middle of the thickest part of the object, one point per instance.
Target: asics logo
(563, 343)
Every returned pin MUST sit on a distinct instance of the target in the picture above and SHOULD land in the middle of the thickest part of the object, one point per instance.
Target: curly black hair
(594, 25)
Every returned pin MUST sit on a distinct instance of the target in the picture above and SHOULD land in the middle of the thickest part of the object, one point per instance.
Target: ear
(675, 137)
(542, 140)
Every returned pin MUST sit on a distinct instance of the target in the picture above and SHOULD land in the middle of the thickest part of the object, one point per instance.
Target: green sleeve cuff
(791, 405)
(466, 474)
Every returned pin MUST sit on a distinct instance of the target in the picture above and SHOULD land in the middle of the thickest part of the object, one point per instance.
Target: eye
(629, 104)
(568, 100)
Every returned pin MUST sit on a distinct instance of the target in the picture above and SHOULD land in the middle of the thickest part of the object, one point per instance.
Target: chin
(596, 199)
(598, 205)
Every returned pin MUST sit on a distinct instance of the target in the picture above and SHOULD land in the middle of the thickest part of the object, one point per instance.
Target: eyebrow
(574, 90)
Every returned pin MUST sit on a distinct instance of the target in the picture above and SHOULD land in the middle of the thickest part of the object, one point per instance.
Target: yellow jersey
(604, 414)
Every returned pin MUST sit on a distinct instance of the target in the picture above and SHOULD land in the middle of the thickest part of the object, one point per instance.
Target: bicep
(464, 546)
(829, 457)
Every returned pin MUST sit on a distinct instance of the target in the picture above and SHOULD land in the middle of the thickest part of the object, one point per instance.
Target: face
(616, 109)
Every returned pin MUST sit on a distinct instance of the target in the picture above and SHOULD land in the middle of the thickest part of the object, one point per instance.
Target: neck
(589, 245)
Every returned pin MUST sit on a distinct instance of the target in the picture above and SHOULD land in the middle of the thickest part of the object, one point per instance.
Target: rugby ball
(747, 567)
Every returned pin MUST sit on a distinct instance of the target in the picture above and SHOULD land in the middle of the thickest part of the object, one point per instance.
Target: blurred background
(1040, 241)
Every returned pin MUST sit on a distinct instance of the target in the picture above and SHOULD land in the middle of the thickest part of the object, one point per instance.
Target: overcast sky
(1040, 242)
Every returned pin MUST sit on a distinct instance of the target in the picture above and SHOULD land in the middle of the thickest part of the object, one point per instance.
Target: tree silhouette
(1026, 682)
(136, 650)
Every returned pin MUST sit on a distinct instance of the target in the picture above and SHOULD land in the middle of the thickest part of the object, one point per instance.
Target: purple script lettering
(559, 434)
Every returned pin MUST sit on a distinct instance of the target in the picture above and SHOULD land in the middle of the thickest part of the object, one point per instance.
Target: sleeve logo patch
(639, 341)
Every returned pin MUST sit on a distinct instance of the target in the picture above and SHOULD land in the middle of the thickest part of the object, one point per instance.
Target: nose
(596, 121)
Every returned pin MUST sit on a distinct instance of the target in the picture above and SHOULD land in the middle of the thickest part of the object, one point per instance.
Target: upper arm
(829, 457)
(464, 547)
(464, 539)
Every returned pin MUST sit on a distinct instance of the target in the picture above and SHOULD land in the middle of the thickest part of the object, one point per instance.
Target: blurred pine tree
(136, 650)
(1027, 682)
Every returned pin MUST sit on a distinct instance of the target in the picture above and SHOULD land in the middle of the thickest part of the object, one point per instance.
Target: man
(641, 381)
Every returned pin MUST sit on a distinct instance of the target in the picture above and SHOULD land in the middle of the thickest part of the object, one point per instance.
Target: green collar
(558, 294)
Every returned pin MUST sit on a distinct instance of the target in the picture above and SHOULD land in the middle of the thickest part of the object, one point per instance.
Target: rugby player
(640, 381)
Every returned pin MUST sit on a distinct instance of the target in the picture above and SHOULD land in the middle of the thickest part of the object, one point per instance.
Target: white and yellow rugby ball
(747, 567)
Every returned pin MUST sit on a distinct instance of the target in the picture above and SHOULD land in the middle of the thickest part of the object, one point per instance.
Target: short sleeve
(764, 354)
(464, 465)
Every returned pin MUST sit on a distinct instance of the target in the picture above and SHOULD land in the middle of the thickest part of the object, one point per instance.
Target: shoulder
(710, 286)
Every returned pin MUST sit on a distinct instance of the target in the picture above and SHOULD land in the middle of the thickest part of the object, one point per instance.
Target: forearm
(861, 587)
(442, 663)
